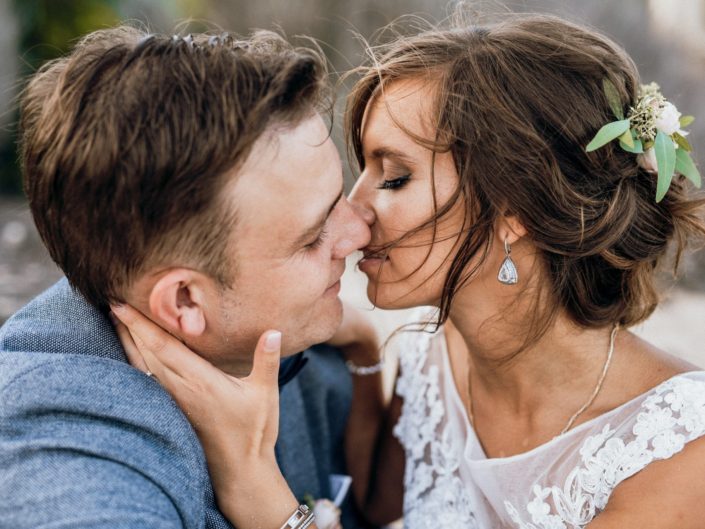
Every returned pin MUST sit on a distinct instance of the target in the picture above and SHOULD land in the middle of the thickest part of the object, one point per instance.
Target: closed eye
(394, 183)
(318, 241)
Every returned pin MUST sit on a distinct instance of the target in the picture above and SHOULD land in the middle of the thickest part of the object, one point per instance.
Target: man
(194, 179)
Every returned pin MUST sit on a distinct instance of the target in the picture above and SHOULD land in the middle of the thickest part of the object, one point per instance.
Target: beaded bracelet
(365, 370)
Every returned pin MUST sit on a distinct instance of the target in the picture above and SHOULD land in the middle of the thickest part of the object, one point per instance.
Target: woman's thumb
(265, 364)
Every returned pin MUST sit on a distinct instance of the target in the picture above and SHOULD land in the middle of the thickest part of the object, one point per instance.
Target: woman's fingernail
(273, 342)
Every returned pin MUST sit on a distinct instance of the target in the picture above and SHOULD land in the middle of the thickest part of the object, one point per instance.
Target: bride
(523, 400)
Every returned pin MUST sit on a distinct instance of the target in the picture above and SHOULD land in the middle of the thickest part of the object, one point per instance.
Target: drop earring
(508, 271)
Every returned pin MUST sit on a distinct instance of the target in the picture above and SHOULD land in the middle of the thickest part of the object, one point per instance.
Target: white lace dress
(563, 484)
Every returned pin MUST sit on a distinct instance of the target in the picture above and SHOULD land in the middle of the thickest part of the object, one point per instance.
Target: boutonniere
(326, 512)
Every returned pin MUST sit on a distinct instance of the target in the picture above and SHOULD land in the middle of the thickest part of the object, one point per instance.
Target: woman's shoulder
(653, 426)
(607, 458)
(667, 458)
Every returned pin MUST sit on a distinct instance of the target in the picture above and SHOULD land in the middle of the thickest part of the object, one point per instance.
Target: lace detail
(671, 416)
(562, 484)
(434, 493)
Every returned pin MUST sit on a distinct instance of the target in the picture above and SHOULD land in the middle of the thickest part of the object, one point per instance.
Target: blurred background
(666, 38)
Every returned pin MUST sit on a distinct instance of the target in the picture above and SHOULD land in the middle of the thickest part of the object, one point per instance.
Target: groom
(194, 179)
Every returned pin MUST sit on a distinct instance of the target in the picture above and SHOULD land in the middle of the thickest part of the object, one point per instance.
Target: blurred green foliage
(55, 25)
(47, 29)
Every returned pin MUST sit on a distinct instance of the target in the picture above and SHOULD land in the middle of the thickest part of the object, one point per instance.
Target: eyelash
(395, 183)
(318, 242)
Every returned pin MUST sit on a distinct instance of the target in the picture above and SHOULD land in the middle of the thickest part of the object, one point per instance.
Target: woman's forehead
(403, 105)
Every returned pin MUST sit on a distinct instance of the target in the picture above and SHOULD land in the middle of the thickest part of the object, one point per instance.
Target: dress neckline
(472, 435)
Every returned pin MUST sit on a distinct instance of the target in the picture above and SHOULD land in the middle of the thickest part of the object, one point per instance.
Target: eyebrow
(313, 230)
(388, 152)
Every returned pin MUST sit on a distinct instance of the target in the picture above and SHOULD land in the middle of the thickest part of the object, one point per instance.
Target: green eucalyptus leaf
(686, 167)
(613, 98)
(666, 162)
(636, 148)
(686, 120)
(682, 142)
(608, 133)
(627, 138)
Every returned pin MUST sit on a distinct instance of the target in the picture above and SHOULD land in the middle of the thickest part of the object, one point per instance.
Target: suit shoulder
(65, 416)
(105, 397)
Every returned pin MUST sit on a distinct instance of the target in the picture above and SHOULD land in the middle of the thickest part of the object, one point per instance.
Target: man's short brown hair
(127, 141)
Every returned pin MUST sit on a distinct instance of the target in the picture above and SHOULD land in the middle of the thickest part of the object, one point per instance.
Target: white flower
(327, 514)
(647, 160)
(668, 120)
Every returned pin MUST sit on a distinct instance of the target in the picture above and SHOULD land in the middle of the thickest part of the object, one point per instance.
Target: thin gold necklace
(588, 403)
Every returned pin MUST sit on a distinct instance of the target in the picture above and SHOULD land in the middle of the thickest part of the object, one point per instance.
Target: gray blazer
(87, 441)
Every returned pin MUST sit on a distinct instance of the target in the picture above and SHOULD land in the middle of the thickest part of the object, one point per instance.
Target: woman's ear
(177, 302)
(509, 228)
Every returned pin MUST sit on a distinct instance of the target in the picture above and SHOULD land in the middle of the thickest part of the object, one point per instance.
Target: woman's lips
(371, 264)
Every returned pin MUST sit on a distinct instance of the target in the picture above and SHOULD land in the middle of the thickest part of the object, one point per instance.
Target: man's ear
(177, 302)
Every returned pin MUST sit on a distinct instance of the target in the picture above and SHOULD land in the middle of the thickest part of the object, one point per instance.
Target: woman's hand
(237, 420)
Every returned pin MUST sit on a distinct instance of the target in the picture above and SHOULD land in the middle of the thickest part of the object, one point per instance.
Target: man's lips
(336, 284)
(334, 288)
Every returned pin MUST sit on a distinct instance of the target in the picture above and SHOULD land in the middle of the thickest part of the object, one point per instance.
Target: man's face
(293, 231)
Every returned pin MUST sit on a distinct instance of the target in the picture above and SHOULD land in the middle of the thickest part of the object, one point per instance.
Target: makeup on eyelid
(394, 183)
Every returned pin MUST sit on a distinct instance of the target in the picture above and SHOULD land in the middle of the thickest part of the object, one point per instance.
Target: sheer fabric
(562, 484)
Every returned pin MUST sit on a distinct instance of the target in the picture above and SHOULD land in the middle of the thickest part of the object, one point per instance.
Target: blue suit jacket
(87, 441)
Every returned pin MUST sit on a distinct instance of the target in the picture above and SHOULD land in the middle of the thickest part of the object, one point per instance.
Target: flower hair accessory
(653, 130)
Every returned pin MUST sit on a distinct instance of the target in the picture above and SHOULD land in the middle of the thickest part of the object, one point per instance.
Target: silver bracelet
(365, 370)
(302, 518)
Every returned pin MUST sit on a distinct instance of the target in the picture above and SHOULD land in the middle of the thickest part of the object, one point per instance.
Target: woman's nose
(364, 213)
(361, 206)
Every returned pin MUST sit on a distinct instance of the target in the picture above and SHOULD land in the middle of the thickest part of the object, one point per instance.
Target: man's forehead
(291, 174)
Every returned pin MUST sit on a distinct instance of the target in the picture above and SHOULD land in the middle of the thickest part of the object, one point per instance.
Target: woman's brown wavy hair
(517, 102)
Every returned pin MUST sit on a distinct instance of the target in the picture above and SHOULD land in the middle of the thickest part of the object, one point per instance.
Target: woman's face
(397, 189)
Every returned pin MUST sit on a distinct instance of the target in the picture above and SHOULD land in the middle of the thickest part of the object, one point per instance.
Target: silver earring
(508, 271)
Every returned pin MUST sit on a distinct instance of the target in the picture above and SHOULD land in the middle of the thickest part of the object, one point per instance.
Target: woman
(532, 405)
